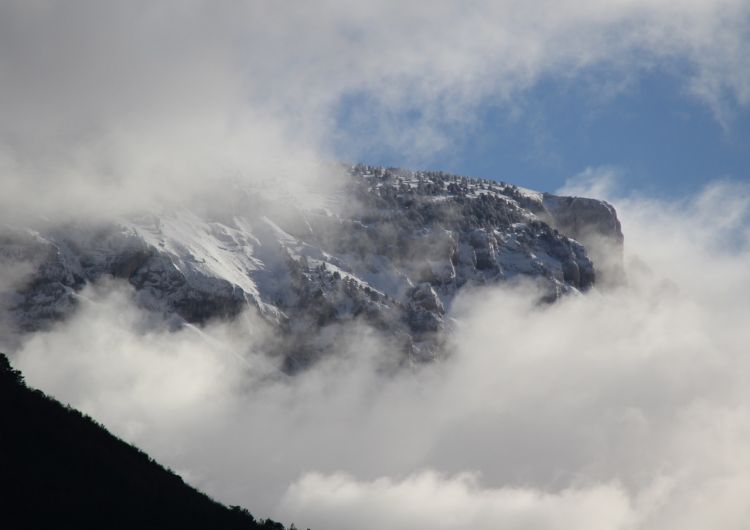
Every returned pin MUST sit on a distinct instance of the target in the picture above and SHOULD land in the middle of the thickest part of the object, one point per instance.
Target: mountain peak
(390, 247)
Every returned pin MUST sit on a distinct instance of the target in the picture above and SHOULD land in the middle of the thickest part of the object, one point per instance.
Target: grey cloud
(618, 409)
(114, 107)
(631, 402)
(428, 500)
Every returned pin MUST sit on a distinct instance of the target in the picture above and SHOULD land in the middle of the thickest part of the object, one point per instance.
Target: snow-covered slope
(392, 248)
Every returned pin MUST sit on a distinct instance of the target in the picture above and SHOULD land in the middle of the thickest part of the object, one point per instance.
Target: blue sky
(101, 102)
(660, 139)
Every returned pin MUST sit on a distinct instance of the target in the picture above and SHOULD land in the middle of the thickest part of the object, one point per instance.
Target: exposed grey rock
(579, 217)
(594, 223)
(393, 254)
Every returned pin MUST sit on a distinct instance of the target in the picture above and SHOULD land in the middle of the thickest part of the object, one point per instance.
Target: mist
(624, 408)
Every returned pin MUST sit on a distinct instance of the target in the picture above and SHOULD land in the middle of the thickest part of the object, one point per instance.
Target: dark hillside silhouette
(60, 469)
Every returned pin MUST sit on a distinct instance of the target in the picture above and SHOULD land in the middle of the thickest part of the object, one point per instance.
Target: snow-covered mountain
(391, 248)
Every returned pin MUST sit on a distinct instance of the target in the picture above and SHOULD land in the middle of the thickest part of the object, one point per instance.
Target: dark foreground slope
(62, 470)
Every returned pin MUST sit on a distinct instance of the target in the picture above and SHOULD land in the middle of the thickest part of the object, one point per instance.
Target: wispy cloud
(624, 409)
(114, 107)
(619, 409)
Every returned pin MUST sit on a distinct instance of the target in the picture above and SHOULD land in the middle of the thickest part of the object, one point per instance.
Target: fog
(624, 408)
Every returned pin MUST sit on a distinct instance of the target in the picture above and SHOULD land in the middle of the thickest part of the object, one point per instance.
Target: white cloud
(113, 107)
(619, 409)
(428, 500)
(622, 409)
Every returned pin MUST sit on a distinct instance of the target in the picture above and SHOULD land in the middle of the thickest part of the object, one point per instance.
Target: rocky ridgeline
(392, 250)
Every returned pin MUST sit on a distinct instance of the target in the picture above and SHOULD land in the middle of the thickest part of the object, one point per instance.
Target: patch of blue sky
(661, 140)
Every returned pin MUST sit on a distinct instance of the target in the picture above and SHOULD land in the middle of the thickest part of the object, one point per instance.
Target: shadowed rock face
(67, 260)
(579, 216)
(594, 223)
(393, 250)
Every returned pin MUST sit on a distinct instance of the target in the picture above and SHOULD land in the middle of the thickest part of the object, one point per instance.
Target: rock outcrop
(393, 250)
(594, 223)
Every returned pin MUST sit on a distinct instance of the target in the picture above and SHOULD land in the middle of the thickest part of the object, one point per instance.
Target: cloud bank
(427, 500)
(622, 409)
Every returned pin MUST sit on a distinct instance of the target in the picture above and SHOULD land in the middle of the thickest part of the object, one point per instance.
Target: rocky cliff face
(594, 223)
(392, 249)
